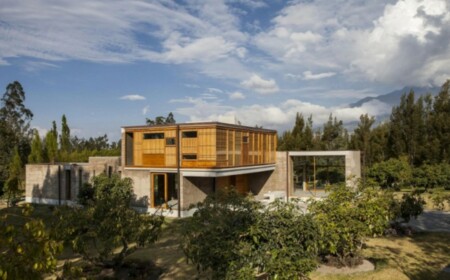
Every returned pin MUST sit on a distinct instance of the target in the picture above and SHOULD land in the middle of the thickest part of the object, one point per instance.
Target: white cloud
(396, 42)
(236, 95)
(145, 110)
(214, 90)
(280, 116)
(133, 97)
(308, 75)
(260, 85)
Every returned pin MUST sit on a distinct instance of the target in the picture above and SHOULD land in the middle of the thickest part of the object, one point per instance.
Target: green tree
(64, 140)
(334, 135)
(236, 238)
(26, 250)
(393, 173)
(362, 138)
(14, 127)
(440, 124)
(14, 184)
(36, 149)
(107, 222)
(51, 147)
(346, 218)
(161, 120)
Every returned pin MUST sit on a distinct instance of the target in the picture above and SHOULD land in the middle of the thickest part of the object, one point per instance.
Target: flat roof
(199, 124)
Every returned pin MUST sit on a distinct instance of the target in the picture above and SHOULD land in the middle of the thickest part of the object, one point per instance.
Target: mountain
(393, 98)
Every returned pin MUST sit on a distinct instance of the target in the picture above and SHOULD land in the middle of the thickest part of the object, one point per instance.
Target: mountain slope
(393, 98)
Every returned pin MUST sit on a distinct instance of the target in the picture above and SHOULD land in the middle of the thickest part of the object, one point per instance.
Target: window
(245, 139)
(190, 156)
(151, 136)
(189, 134)
(170, 141)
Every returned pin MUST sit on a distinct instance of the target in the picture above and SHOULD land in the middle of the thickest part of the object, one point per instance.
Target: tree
(346, 217)
(161, 120)
(14, 127)
(236, 238)
(26, 250)
(393, 173)
(107, 222)
(440, 124)
(361, 139)
(51, 147)
(13, 185)
(334, 135)
(36, 149)
(65, 136)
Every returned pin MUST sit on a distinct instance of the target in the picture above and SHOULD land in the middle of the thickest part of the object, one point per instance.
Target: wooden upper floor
(197, 145)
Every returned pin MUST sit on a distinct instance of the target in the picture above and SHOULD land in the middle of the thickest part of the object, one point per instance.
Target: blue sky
(107, 64)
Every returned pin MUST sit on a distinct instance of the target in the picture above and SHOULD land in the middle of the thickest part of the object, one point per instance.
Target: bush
(411, 205)
(26, 251)
(439, 196)
(393, 173)
(106, 223)
(346, 218)
(235, 238)
(432, 176)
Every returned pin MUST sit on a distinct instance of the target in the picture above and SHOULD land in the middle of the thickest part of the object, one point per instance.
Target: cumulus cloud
(403, 42)
(260, 85)
(279, 116)
(133, 97)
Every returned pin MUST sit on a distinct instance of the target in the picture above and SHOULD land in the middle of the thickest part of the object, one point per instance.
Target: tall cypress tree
(36, 149)
(65, 136)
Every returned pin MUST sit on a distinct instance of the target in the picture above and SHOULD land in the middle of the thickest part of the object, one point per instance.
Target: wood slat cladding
(202, 145)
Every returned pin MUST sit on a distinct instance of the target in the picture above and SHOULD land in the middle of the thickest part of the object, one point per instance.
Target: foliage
(347, 217)
(393, 173)
(14, 127)
(13, 185)
(432, 176)
(236, 238)
(161, 120)
(26, 251)
(51, 147)
(107, 222)
(36, 149)
(65, 136)
(411, 205)
(439, 196)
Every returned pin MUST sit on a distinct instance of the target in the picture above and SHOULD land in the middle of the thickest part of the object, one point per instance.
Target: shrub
(26, 251)
(107, 222)
(235, 238)
(439, 196)
(393, 173)
(411, 205)
(348, 216)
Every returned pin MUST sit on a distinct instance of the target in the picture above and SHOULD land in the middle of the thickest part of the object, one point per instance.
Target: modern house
(176, 165)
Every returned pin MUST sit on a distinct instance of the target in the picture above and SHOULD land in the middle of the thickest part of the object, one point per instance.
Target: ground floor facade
(171, 191)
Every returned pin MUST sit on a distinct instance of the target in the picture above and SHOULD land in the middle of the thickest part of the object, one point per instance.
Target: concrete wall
(261, 183)
(141, 186)
(195, 189)
(46, 183)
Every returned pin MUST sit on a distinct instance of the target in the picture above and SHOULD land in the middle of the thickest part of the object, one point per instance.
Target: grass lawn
(422, 256)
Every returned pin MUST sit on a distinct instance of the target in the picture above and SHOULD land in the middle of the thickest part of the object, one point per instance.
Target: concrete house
(176, 165)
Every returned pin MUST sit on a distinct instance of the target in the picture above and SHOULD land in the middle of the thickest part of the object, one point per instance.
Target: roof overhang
(226, 171)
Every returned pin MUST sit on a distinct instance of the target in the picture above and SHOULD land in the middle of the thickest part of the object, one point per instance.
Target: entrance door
(159, 190)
